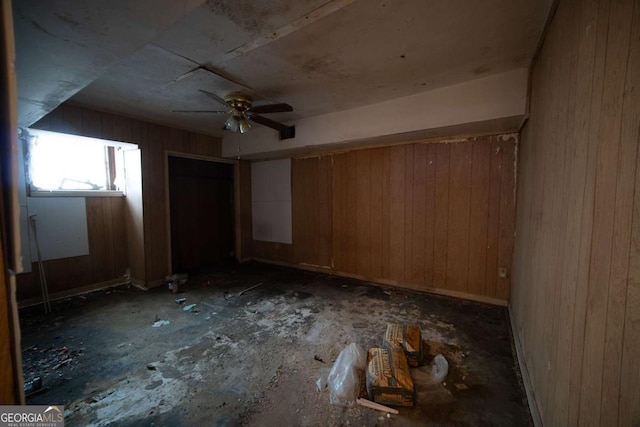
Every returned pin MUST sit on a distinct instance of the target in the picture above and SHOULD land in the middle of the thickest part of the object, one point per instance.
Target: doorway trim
(236, 199)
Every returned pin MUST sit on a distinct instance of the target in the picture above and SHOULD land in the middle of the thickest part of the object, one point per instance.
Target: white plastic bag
(439, 369)
(346, 375)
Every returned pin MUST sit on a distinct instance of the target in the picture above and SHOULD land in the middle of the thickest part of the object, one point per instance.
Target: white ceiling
(319, 56)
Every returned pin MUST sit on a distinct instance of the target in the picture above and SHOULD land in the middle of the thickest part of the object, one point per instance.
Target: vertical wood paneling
(604, 215)
(507, 215)
(245, 209)
(575, 263)
(363, 216)
(419, 177)
(493, 219)
(108, 234)
(386, 213)
(561, 317)
(389, 213)
(339, 211)
(351, 229)
(408, 212)
(324, 209)
(629, 394)
(625, 127)
(377, 196)
(430, 215)
(397, 209)
(441, 223)
(479, 211)
(458, 230)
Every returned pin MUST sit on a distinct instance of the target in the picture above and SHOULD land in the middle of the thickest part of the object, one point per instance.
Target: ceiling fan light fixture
(243, 125)
(232, 124)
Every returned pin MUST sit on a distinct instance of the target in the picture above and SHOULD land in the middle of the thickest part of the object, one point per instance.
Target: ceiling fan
(241, 111)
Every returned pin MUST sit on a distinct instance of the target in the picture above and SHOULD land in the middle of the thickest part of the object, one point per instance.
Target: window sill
(76, 193)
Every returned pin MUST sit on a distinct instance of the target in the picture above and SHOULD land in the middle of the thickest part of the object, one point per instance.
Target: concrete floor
(251, 359)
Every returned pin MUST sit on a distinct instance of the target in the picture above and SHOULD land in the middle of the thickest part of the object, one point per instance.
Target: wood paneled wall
(436, 216)
(576, 285)
(107, 259)
(109, 255)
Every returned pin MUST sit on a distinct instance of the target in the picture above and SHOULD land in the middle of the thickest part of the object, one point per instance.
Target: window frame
(110, 169)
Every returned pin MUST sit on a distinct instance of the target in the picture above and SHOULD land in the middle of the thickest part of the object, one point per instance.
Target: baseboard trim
(73, 292)
(524, 372)
(387, 282)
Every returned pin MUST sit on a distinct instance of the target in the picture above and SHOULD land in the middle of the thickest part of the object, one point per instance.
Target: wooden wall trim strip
(387, 282)
(524, 373)
(75, 291)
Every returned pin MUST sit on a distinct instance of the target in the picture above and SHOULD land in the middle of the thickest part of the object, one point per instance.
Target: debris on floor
(373, 405)
(407, 337)
(344, 378)
(159, 323)
(389, 381)
(249, 289)
(32, 387)
(439, 369)
(237, 363)
(189, 307)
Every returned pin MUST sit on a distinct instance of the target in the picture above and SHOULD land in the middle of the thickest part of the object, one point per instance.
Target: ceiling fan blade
(214, 96)
(201, 111)
(268, 122)
(272, 108)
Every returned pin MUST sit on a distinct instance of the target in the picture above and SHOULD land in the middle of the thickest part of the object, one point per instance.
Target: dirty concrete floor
(251, 359)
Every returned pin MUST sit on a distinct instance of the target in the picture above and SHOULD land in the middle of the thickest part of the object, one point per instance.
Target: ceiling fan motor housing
(238, 101)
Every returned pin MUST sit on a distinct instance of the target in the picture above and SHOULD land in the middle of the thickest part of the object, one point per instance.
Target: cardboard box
(388, 378)
(407, 337)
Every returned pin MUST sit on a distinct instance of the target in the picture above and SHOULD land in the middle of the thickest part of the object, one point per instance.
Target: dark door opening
(202, 215)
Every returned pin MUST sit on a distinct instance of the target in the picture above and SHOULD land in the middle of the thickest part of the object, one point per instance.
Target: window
(69, 164)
